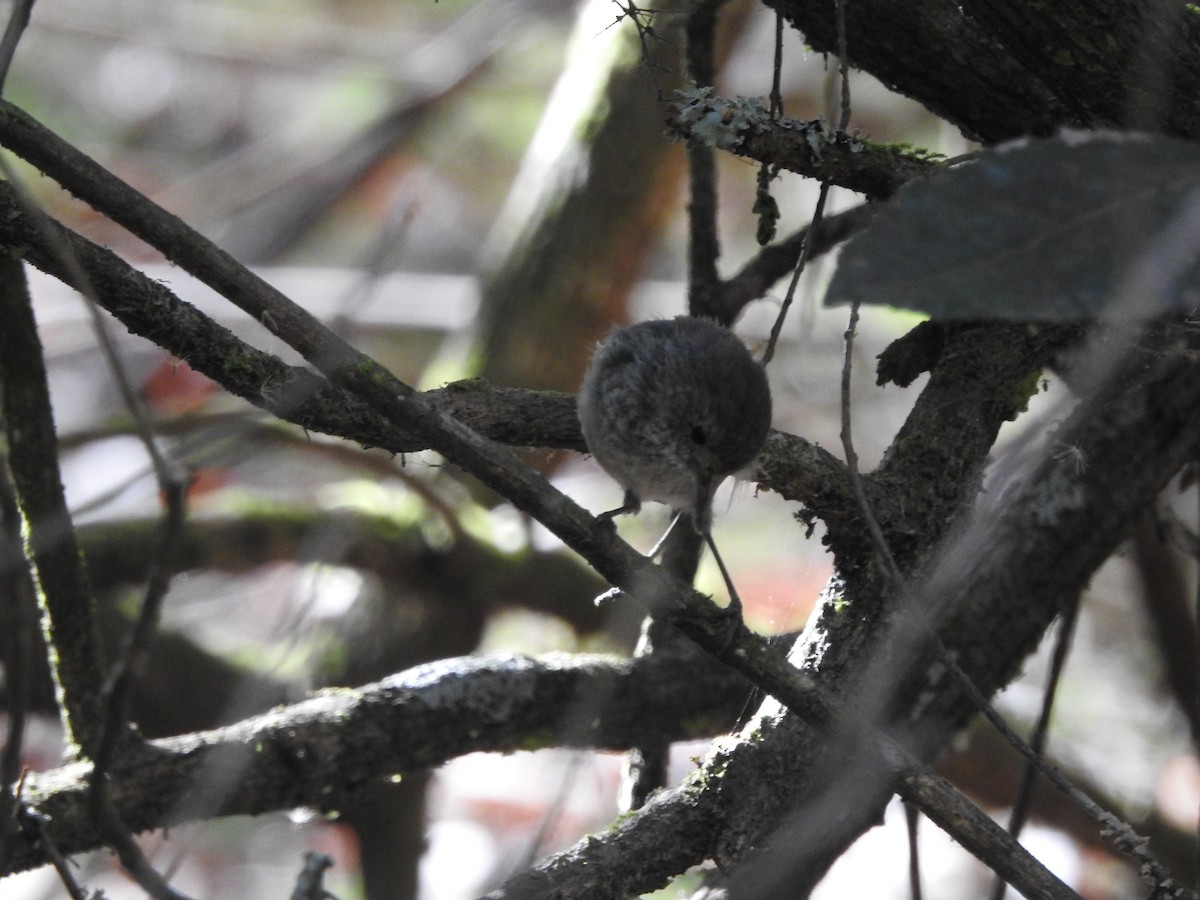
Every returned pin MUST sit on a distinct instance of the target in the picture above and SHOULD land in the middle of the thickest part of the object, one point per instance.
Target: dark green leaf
(1035, 230)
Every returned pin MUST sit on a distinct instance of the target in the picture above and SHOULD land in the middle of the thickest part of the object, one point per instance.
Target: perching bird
(670, 408)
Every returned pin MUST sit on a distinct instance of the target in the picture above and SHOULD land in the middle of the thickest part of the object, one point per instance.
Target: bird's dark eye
(698, 435)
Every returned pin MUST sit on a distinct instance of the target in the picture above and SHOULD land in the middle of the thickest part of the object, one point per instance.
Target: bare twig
(115, 833)
(822, 196)
(1037, 740)
(777, 69)
(843, 64)
(36, 829)
(805, 251)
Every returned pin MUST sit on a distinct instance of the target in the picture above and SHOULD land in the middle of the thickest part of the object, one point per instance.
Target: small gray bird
(669, 409)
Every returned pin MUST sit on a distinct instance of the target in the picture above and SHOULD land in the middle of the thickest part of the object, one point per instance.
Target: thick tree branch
(924, 479)
(322, 752)
(934, 53)
(1129, 63)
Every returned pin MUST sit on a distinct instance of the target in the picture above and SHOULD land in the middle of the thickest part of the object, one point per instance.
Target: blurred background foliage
(467, 187)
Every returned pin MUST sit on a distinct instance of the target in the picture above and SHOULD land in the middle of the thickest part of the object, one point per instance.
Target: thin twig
(843, 65)
(805, 252)
(37, 832)
(822, 196)
(779, 260)
(1037, 741)
(777, 69)
(116, 835)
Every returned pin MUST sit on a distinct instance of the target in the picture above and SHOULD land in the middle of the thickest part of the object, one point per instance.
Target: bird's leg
(702, 521)
(735, 602)
(631, 504)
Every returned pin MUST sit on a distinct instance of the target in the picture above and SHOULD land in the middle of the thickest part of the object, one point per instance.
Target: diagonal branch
(518, 417)
(150, 309)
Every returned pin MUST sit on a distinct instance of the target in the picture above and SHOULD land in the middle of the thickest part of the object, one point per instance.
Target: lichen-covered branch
(744, 126)
(320, 753)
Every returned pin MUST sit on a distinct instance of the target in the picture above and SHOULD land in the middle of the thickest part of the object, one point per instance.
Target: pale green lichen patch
(720, 125)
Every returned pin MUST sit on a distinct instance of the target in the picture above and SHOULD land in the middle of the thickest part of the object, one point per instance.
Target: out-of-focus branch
(120, 552)
(1166, 598)
(18, 20)
(591, 195)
